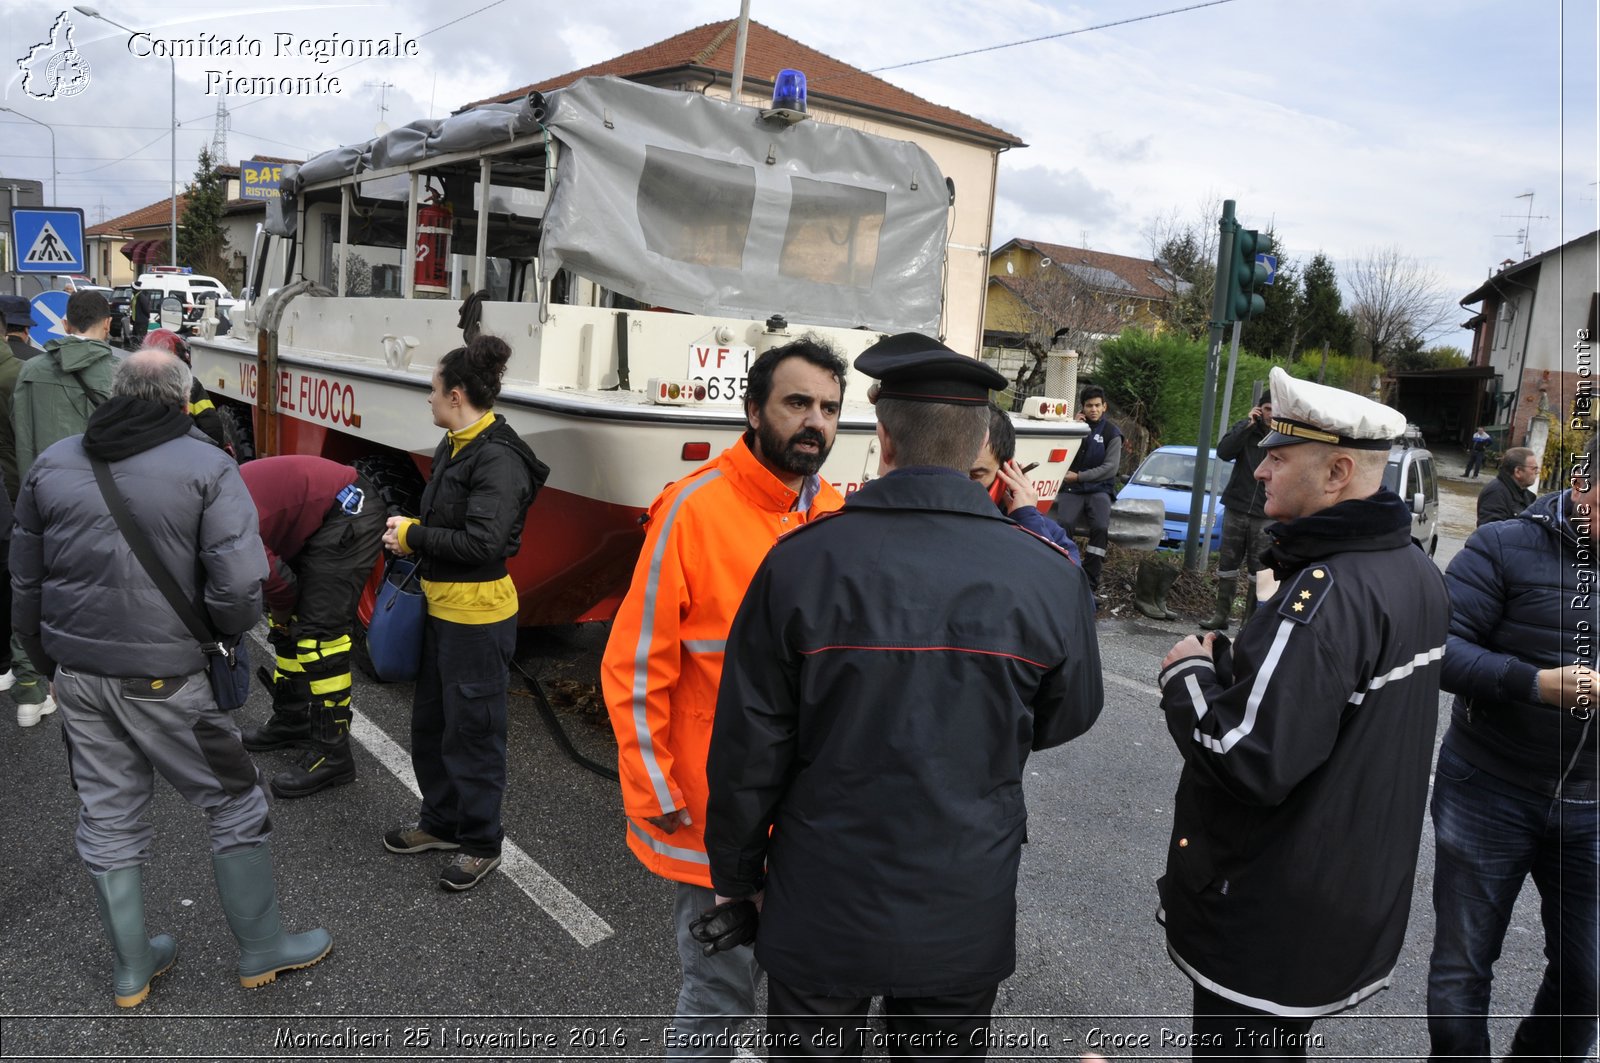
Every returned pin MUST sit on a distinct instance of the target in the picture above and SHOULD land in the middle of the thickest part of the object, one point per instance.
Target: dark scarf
(122, 426)
(1379, 522)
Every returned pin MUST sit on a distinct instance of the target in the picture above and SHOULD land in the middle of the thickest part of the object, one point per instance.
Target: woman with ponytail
(484, 478)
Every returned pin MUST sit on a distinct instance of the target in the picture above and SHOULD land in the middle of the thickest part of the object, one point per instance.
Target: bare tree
(1394, 301)
(1057, 308)
(1187, 248)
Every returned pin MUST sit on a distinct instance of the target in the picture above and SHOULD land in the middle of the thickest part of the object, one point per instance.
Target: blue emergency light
(789, 91)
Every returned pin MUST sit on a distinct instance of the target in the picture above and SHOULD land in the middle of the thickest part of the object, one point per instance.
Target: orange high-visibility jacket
(706, 536)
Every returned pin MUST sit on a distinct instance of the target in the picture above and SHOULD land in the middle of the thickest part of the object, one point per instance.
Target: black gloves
(728, 925)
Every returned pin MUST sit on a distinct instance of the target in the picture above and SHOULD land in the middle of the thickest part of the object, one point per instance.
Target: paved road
(565, 953)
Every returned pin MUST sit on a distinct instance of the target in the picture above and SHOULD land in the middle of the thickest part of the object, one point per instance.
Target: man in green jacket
(55, 393)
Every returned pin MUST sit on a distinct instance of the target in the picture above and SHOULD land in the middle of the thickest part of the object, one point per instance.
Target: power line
(1036, 40)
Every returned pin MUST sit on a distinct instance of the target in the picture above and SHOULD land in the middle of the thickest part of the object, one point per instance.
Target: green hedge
(1158, 381)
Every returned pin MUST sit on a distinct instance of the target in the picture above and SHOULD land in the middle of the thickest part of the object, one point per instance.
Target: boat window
(833, 233)
(375, 255)
(694, 209)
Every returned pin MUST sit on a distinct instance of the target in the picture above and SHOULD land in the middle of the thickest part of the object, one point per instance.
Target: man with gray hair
(1323, 713)
(1509, 492)
(130, 677)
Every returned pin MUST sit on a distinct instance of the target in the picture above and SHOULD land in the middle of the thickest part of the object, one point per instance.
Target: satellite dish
(381, 128)
(1009, 267)
(1045, 262)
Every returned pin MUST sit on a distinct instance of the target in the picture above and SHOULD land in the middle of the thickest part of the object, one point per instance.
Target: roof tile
(710, 47)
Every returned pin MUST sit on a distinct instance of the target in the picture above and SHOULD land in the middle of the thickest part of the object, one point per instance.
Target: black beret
(919, 369)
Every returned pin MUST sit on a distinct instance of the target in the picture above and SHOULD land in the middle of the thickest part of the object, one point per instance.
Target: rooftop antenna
(219, 133)
(1525, 234)
(383, 88)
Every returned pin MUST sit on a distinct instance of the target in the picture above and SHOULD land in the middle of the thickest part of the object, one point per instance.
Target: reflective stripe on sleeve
(676, 852)
(1258, 691)
(641, 655)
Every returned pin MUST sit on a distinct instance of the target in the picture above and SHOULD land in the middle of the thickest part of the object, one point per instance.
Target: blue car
(1167, 474)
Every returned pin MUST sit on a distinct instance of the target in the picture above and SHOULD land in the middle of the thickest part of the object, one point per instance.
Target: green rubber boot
(119, 895)
(250, 900)
(1224, 615)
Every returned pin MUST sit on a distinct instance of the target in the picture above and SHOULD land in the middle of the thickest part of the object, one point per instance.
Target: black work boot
(290, 723)
(1224, 614)
(322, 765)
(327, 760)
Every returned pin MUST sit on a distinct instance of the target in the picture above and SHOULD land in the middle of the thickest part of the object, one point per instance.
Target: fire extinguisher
(430, 274)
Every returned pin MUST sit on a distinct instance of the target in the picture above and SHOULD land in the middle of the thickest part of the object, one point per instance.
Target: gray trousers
(121, 732)
(718, 992)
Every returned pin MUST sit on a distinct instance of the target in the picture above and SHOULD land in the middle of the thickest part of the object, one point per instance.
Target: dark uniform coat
(1502, 498)
(1299, 810)
(890, 669)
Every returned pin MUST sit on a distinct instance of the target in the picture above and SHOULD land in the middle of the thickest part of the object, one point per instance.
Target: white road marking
(575, 917)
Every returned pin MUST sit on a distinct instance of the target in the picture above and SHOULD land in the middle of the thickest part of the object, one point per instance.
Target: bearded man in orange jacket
(705, 536)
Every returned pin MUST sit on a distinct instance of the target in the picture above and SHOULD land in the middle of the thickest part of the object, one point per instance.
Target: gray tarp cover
(607, 128)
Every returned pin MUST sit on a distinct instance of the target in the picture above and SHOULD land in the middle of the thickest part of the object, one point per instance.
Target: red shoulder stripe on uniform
(927, 649)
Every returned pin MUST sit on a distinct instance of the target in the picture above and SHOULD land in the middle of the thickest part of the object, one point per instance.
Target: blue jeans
(719, 991)
(1490, 836)
(458, 730)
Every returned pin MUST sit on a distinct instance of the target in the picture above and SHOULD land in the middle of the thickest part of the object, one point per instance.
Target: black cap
(919, 369)
(17, 311)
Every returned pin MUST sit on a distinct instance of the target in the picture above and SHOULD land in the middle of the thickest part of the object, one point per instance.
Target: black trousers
(807, 1026)
(1094, 509)
(333, 566)
(1226, 1030)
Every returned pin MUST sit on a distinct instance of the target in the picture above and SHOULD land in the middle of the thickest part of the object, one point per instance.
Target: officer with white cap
(887, 675)
(1307, 743)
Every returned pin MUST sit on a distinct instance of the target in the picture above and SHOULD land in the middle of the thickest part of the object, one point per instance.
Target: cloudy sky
(1347, 124)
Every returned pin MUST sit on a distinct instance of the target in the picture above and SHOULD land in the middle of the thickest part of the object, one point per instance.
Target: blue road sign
(1271, 262)
(48, 241)
(50, 310)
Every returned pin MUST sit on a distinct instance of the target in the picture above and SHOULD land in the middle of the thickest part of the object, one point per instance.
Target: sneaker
(28, 713)
(414, 839)
(464, 872)
(8, 679)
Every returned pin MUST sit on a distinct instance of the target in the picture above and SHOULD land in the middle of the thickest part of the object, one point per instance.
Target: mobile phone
(1032, 465)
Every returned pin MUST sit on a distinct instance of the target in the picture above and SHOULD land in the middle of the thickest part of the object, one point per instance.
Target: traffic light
(1247, 277)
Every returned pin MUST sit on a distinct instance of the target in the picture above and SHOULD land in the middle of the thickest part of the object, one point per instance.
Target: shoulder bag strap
(94, 398)
(152, 565)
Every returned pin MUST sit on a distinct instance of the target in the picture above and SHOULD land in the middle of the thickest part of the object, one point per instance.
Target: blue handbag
(394, 636)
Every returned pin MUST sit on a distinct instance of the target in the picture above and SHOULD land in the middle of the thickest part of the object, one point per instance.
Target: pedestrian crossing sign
(48, 240)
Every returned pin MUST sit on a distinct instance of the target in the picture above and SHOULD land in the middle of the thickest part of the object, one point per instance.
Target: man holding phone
(1245, 501)
(997, 471)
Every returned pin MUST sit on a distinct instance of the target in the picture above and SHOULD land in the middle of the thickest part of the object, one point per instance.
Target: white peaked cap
(1306, 412)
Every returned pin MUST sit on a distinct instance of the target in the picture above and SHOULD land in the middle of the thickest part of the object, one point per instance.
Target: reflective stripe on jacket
(705, 537)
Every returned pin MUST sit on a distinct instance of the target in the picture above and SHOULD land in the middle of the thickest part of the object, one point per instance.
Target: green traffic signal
(1247, 277)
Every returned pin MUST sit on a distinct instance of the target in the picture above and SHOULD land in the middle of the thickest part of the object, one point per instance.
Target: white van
(191, 288)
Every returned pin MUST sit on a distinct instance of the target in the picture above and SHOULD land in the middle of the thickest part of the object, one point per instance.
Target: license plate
(723, 370)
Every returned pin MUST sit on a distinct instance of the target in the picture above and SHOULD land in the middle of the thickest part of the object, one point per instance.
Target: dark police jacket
(1502, 498)
(1299, 810)
(890, 669)
(1522, 598)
